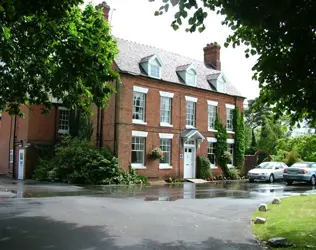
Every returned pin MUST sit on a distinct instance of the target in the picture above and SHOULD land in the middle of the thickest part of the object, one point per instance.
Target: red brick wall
(125, 126)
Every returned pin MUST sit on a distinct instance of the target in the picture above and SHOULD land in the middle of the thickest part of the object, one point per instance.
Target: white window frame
(211, 104)
(211, 141)
(169, 138)
(229, 107)
(63, 131)
(142, 134)
(166, 124)
(151, 66)
(194, 101)
(143, 91)
(193, 83)
(230, 142)
(11, 156)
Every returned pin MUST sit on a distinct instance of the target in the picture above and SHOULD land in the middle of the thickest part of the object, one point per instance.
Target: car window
(314, 165)
(284, 165)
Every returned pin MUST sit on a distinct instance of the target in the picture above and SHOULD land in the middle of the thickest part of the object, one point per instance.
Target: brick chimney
(212, 55)
(105, 8)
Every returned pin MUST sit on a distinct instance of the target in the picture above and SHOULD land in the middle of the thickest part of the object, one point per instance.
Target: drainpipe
(180, 144)
(14, 147)
(10, 138)
(115, 121)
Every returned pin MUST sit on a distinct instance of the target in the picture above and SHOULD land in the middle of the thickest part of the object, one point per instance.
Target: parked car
(301, 171)
(267, 171)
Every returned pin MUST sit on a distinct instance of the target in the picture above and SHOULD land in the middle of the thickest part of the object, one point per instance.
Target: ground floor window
(11, 155)
(230, 149)
(138, 150)
(165, 146)
(211, 153)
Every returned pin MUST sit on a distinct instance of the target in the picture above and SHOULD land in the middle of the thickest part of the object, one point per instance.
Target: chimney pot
(105, 8)
(212, 56)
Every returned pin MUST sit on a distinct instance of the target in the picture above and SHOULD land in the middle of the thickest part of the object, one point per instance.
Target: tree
(54, 49)
(283, 35)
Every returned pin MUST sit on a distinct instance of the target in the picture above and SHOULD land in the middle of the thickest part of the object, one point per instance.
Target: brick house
(163, 100)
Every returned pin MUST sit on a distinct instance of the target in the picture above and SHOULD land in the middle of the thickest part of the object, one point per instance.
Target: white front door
(189, 159)
(21, 164)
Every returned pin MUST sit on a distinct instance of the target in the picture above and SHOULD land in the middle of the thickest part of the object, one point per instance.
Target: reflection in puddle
(168, 192)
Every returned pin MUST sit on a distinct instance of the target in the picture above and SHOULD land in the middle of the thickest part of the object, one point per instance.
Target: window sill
(64, 132)
(162, 124)
(189, 126)
(213, 167)
(165, 166)
(230, 166)
(230, 132)
(139, 122)
(212, 130)
(138, 166)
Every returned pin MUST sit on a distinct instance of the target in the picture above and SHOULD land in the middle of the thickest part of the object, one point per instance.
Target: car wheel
(251, 180)
(289, 182)
(313, 180)
(271, 178)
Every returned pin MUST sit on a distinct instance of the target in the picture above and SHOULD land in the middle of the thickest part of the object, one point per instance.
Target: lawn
(294, 219)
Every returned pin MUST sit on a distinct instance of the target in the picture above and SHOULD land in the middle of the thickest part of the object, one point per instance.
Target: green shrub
(203, 167)
(234, 174)
(291, 158)
(77, 161)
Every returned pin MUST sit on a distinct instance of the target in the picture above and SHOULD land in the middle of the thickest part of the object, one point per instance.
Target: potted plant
(156, 154)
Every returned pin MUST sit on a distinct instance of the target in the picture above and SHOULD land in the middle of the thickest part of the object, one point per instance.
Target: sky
(134, 20)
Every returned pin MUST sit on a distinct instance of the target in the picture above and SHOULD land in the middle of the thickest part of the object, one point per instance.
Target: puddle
(167, 192)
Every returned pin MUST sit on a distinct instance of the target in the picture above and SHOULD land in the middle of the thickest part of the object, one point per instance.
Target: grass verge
(294, 219)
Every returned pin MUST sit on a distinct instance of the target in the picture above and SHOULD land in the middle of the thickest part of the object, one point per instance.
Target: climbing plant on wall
(221, 147)
(239, 127)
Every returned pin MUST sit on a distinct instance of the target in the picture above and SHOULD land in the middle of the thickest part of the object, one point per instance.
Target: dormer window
(219, 82)
(152, 65)
(188, 74)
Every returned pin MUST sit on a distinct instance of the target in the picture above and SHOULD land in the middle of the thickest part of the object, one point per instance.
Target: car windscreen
(266, 165)
(300, 165)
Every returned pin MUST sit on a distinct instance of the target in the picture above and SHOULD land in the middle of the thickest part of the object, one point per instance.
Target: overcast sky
(134, 20)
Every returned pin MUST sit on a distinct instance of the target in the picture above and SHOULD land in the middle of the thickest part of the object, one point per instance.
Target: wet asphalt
(179, 216)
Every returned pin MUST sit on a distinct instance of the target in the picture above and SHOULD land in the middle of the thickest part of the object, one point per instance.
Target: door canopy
(192, 134)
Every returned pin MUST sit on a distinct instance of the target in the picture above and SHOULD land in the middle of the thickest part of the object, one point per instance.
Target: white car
(267, 171)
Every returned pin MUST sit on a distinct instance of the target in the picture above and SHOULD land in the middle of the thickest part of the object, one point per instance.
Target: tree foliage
(221, 147)
(283, 35)
(54, 49)
(239, 126)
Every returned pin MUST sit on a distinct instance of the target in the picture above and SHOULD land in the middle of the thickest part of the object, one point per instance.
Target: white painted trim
(211, 139)
(165, 166)
(191, 99)
(189, 126)
(212, 103)
(164, 124)
(230, 132)
(212, 130)
(230, 166)
(165, 136)
(166, 94)
(230, 141)
(63, 131)
(63, 108)
(140, 89)
(11, 155)
(213, 166)
(230, 106)
(139, 133)
(139, 122)
(138, 166)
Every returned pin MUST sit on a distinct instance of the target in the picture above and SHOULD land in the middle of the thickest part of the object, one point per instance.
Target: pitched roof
(132, 53)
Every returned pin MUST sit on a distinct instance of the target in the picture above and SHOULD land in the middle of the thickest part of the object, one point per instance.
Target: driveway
(208, 216)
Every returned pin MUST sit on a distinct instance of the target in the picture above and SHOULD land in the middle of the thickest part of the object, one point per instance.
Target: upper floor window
(64, 120)
(152, 65)
(154, 71)
(230, 117)
(188, 74)
(165, 110)
(191, 77)
(190, 111)
(212, 113)
(139, 104)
